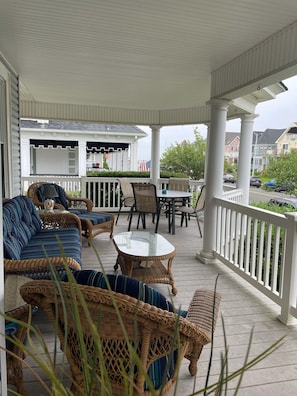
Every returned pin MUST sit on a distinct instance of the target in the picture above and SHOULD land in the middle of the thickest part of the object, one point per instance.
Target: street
(258, 194)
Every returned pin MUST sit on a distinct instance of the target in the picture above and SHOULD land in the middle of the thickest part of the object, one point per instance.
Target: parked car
(273, 185)
(228, 178)
(255, 181)
(288, 202)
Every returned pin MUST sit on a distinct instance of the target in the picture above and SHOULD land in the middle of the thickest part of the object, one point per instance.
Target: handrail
(103, 191)
(261, 247)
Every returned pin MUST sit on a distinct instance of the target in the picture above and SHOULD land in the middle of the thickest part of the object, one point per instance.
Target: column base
(289, 322)
(206, 257)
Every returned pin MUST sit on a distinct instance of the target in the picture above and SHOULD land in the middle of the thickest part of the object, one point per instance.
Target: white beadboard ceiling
(137, 54)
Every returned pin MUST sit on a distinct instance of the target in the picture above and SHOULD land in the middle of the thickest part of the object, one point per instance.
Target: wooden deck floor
(242, 308)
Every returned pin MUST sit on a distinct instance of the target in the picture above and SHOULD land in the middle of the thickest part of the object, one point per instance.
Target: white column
(25, 157)
(207, 151)
(82, 158)
(155, 154)
(133, 155)
(124, 160)
(214, 176)
(245, 155)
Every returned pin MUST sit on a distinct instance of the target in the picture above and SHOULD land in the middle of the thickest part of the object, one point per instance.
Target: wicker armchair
(149, 330)
(92, 223)
(71, 202)
(15, 354)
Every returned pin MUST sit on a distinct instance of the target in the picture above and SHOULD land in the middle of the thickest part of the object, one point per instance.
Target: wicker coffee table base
(155, 271)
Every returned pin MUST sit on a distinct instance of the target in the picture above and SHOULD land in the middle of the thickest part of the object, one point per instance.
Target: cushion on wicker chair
(46, 244)
(61, 199)
(95, 218)
(137, 289)
(125, 285)
(11, 329)
(24, 238)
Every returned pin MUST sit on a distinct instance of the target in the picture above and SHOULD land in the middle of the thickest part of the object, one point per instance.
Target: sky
(274, 114)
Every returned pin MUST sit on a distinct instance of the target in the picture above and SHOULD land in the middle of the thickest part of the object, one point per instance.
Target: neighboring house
(73, 148)
(288, 140)
(266, 144)
(265, 147)
(144, 166)
(232, 142)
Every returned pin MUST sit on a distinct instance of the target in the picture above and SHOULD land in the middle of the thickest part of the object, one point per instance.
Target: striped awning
(48, 143)
(106, 147)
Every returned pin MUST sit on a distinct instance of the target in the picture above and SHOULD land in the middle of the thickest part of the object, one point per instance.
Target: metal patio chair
(146, 202)
(187, 211)
(127, 198)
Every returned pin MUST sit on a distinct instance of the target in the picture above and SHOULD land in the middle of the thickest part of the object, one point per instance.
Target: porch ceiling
(135, 54)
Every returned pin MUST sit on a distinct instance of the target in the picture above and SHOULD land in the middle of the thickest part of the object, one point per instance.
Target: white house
(72, 148)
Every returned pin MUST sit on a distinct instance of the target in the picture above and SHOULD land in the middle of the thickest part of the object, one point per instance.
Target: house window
(72, 161)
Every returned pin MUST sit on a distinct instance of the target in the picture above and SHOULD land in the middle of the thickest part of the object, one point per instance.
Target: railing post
(289, 276)
(83, 186)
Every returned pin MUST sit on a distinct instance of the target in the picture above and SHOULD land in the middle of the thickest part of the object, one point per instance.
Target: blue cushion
(11, 329)
(61, 199)
(45, 243)
(125, 285)
(137, 289)
(77, 211)
(95, 218)
(20, 223)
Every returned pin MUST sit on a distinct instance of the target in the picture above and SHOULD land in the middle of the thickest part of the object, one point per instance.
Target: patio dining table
(170, 197)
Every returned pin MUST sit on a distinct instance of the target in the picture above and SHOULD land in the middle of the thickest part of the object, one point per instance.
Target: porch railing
(103, 191)
(259, 245)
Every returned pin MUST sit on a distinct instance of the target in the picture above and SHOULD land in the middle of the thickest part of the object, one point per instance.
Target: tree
(283, 169)
(187, 157)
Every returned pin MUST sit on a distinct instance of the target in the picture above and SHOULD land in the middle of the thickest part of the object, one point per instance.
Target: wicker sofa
(31, 241)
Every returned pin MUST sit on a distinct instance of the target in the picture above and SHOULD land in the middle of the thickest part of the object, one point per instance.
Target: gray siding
(15, 137)
(11, 138)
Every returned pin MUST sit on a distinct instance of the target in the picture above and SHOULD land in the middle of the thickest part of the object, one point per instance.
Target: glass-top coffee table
(145, 256)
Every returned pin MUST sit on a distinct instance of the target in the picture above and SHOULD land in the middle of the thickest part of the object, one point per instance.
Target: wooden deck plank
(243, 309)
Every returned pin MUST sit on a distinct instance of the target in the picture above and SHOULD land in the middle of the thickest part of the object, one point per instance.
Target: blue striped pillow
(20, 223)
(125, 285)
(11, 329)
